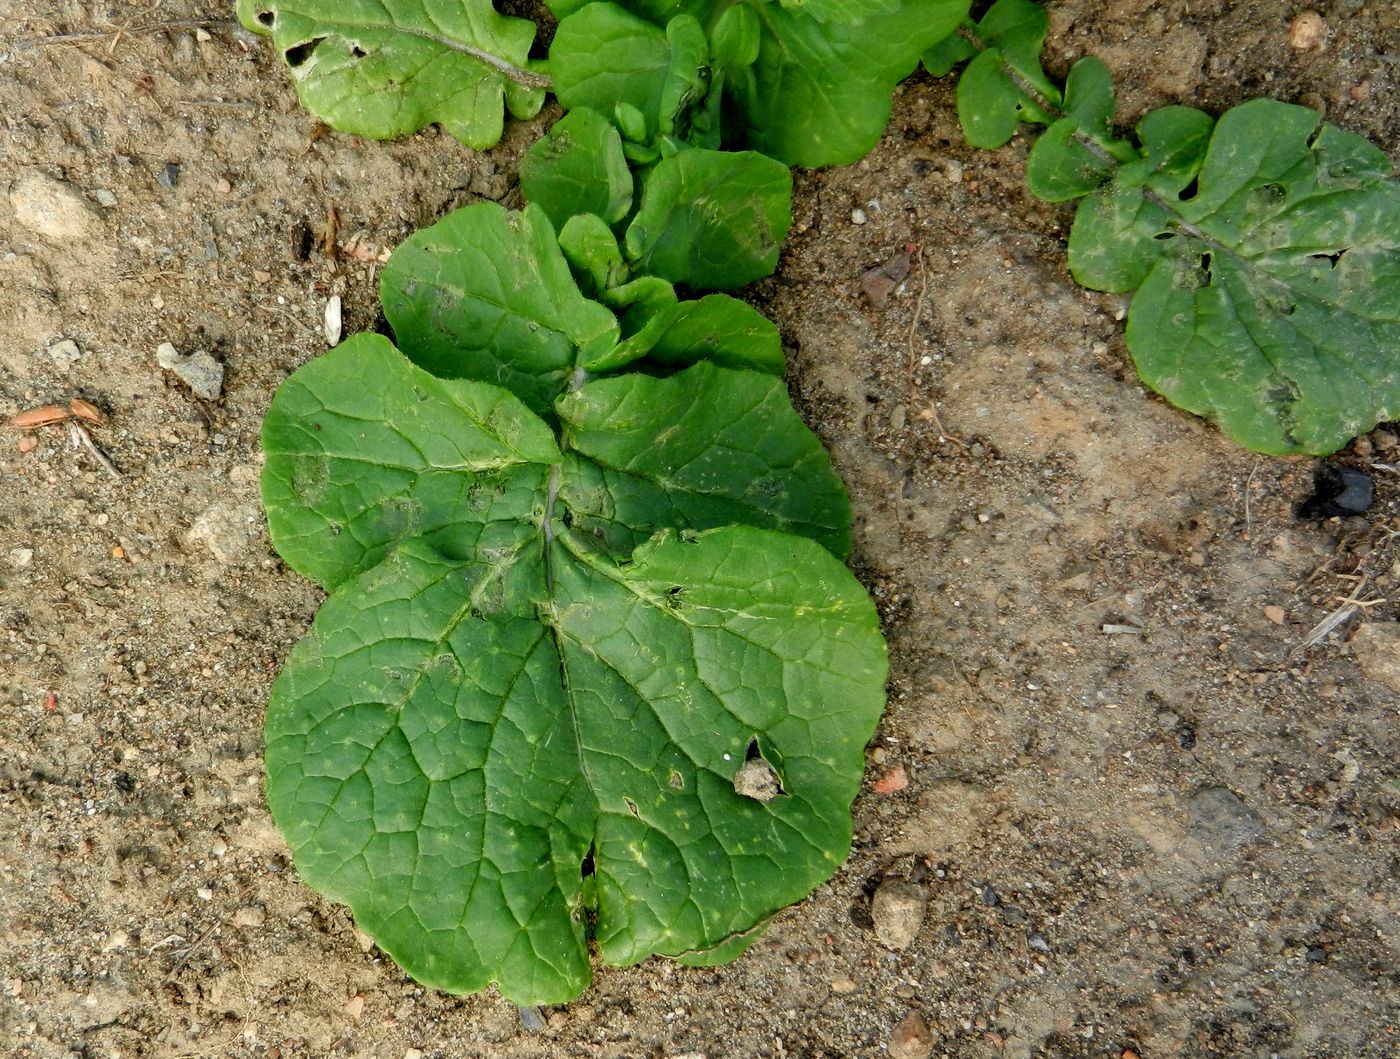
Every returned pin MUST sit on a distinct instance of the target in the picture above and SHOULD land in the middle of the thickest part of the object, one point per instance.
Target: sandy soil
(1142, 818)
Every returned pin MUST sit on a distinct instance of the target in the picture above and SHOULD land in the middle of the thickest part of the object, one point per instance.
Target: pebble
(332, 324)
(532, 1019)
(911, 1038)
(858, 216)
(64, 353)
(250, 918)
(1307, 32)
(104, 197)
(169, 176)
(28, 444)
(225, 530)
(757, 780)
(1275, 613)
(21, 557)
(1220, 821)
(199, 371)
(50, 208)
(355, 1005)
(1377, 649)
(843, 985)
(898, 909)
(892, 781)
(883, 280)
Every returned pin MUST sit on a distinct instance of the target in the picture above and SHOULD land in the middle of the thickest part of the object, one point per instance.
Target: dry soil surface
(1142, 817)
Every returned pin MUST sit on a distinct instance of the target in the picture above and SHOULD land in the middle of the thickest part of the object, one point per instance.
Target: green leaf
(497, 707)
(712, 219)
(386, 68)
(454, 741)
(1268, 302)
(603, 56)
(1062, 165)
(447, 457)
(819, 92)
(578, 167)
(594, 257)
(645, 304)
(487, 295)
(992, 99)
(848, 12)
(722, 330)
(1174, 142)
(709, 446)
(940, 59)
(734, 41)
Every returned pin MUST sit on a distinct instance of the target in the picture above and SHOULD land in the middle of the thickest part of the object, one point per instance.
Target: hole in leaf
(357, 52)
(587, 868)
(299, 54)
(267, 18)
(632, 807)
(756, 778)
(1205, 270)
(1189, 191)
(1335, 258)
(1161, 236)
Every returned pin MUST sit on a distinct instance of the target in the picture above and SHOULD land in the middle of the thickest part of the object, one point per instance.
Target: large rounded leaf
(480, 756)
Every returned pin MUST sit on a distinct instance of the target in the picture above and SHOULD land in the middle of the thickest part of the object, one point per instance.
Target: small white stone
(332, 320)
(249, 918)
(199, 371)
(857, 216)
(104, 197)
(21, 557)
(64, 353)
(50, 208)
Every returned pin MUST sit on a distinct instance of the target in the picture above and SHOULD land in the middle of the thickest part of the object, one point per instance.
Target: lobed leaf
(486, 294)
(1268, 301)
(712, 219)
(386, 68)
(709, 446)
(819, 93)
(1078, 152)
(992, 92)
(365, 451)
(578, 167)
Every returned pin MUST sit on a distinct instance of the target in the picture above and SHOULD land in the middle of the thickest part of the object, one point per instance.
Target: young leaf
(712, 219)
(454, 741)
(446, 458)
(578, 167)
(993, 101)
(708, 446)
(594, 257)
(1174, 142)
(819, 92)
(850, 12)
(1269, 302)
(485, 294)
(722, 330)
(386, 68)
(1062, 165)
(603, 56)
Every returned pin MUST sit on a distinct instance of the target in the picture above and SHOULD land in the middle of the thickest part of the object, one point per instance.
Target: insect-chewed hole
(357, 52)
(267, 19)
(299, 54)
(587, 868)
(632, 807)
(1189, 191)
(1335, 257)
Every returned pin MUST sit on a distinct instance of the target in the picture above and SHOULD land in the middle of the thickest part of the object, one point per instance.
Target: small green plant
(1262, 250)
(591, 666)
